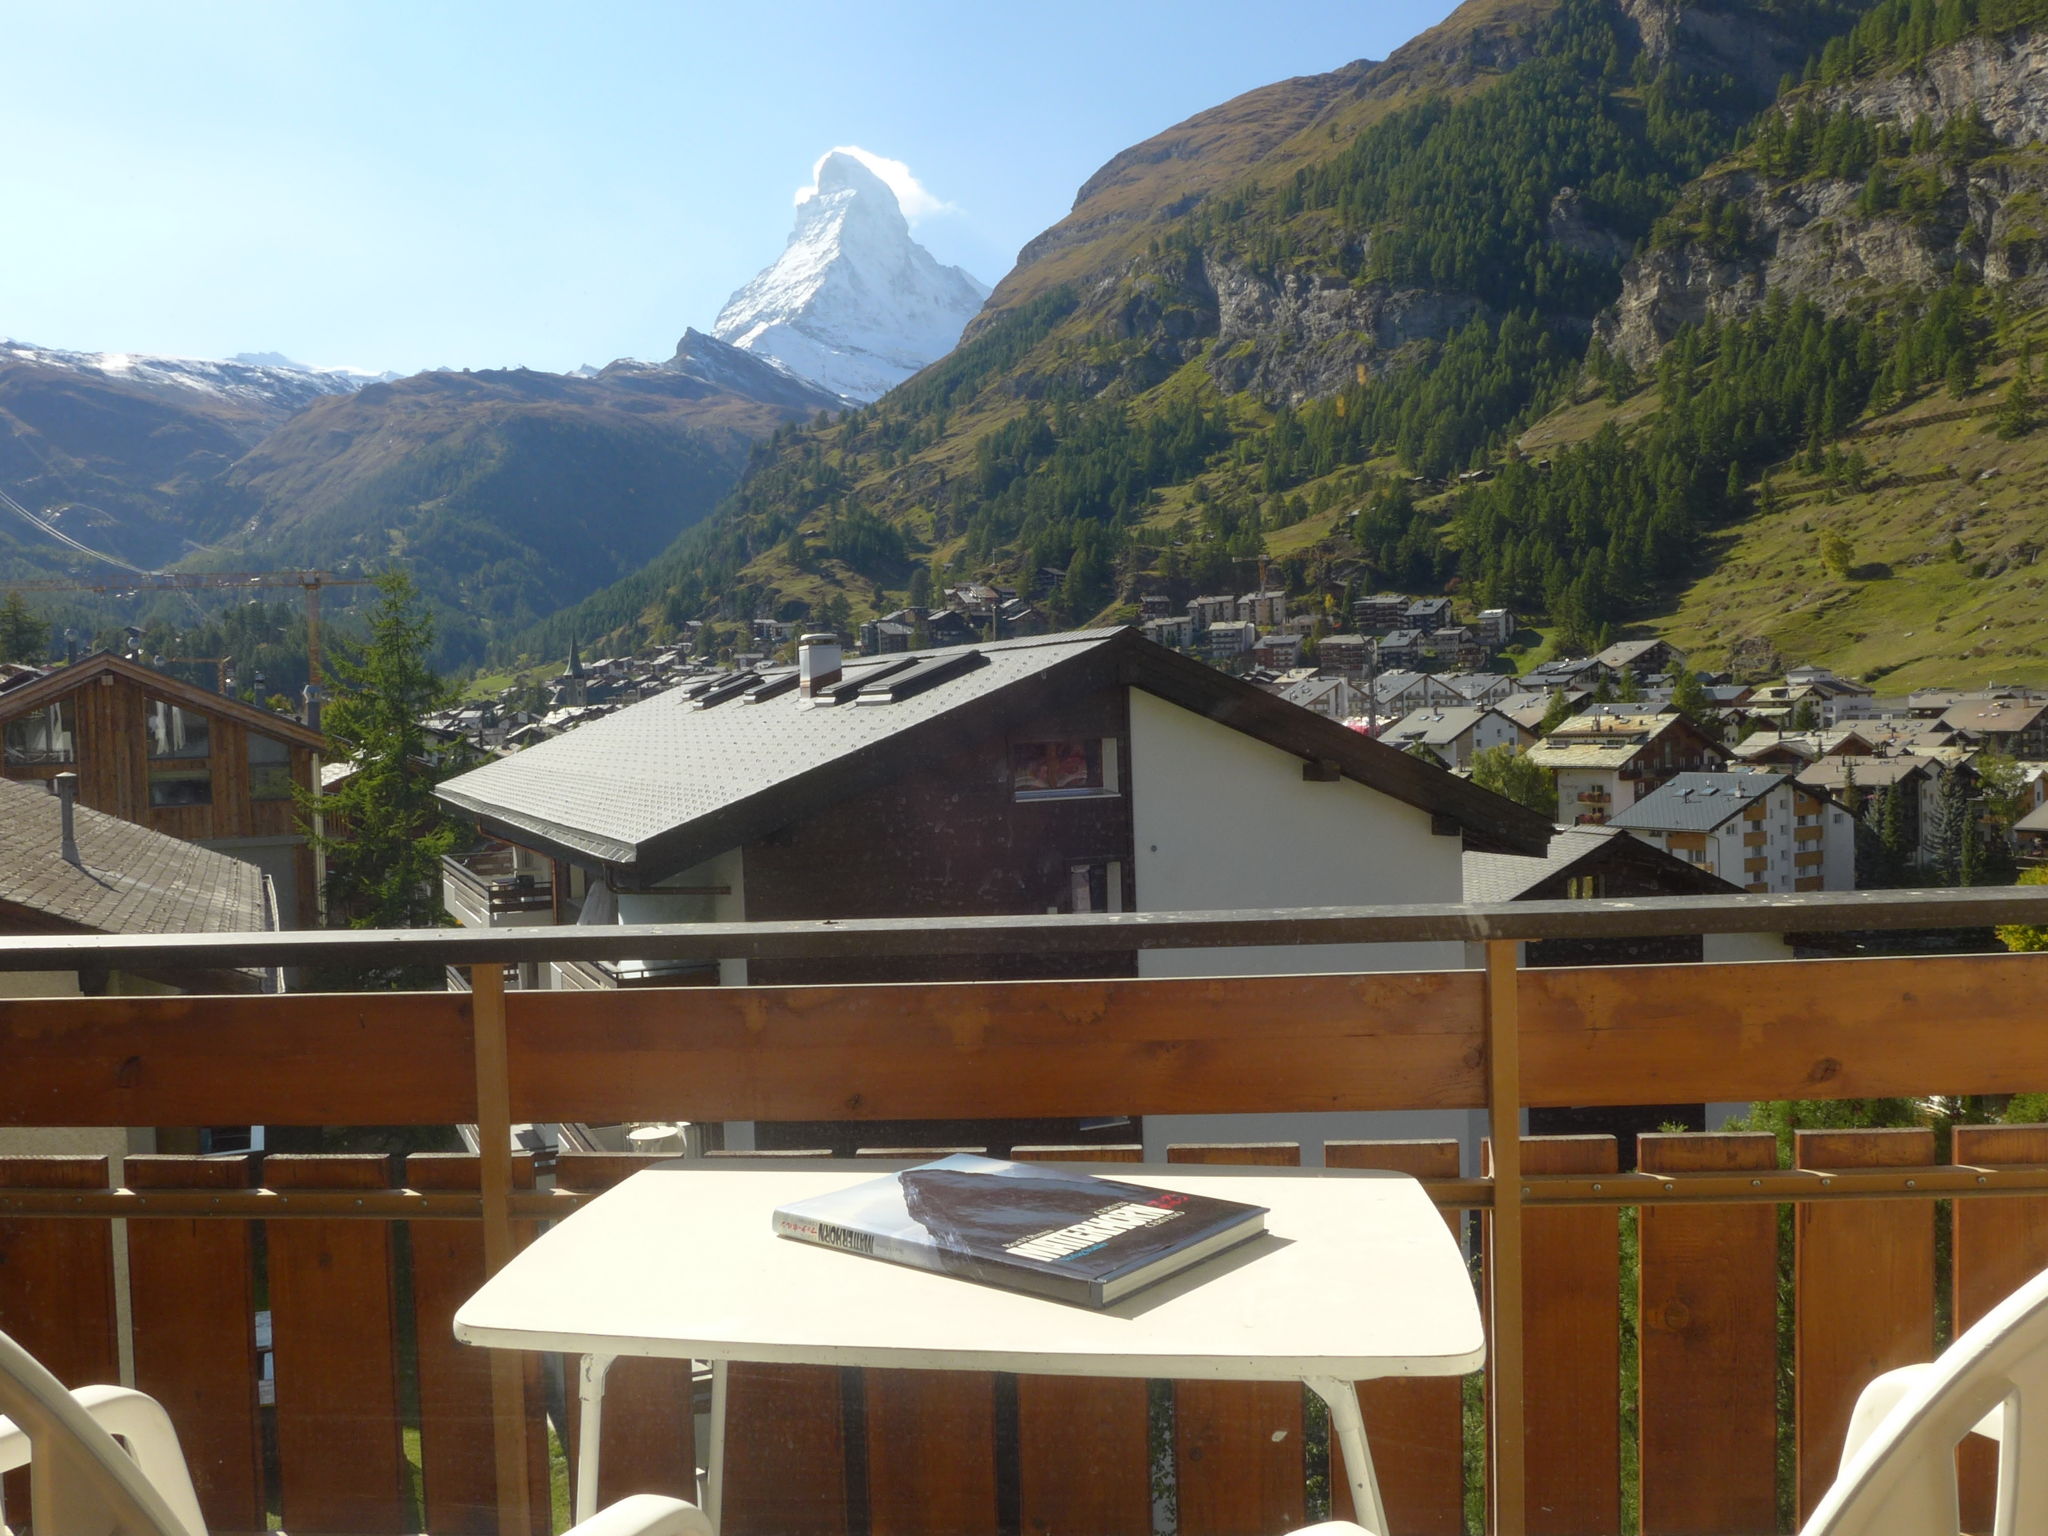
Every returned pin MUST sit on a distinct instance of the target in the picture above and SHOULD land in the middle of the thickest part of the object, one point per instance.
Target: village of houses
(1759, 792)
(960, 761)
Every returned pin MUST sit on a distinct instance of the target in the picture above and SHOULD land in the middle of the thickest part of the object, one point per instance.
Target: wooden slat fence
(820, 1450)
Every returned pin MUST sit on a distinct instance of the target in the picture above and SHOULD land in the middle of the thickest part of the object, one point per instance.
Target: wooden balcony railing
(360, 1274)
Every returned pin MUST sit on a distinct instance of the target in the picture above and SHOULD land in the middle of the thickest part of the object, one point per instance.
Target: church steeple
(575, 659)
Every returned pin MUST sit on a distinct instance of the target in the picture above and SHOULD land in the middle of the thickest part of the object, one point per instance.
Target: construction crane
(311, 582)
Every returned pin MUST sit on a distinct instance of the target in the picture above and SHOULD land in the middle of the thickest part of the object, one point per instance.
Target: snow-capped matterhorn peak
(853, 302)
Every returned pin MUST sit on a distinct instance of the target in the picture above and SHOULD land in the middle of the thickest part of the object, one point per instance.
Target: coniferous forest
(1083, 443)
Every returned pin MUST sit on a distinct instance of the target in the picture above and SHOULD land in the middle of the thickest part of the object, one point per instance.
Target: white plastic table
(1356, 1277)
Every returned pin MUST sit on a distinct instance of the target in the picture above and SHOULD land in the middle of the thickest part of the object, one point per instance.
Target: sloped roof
(667, 782)
(2000, 715)
(59, 681)
(1434, 725)
(1697, 802)
(129, 879)
(1494, 877)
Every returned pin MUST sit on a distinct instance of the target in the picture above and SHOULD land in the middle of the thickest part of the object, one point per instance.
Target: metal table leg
(1347, 1428)
(714, 1453)
(589, 1431)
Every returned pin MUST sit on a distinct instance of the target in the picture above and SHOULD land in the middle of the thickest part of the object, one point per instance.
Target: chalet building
(1280, 652)
(1455, 645)
(948, 626)
(1529, 708)
(1585, 672)
(1082, 772)
(1228, 638)
(1401, 692)
(1176, 632)
(1451, 735)
(1427, 614)
(1401, 648)
(885, 637)
(2016, 727)
(1268, 610)
(1641, 659)
(1765, 831)
(1206, 611)
(1605, 762)
(1793, 750)
(1334, 698)
(1494, 626)
(1347, 655)
(153, 750)
(1381, 612)
(1481, 687)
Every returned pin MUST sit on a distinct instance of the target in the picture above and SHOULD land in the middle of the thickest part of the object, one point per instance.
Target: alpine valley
(507, 492)
(1610, 312)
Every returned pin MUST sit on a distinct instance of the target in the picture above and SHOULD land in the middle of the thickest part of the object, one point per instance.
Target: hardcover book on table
(1027, 1226)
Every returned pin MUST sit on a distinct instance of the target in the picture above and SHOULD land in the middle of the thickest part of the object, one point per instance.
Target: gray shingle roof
(1435, 725)
(133, 880)
(665, 783)
(1697, 802)
(611, 786)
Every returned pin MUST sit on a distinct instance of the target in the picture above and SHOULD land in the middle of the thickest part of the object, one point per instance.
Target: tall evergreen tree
(23, 636)
(383, 832)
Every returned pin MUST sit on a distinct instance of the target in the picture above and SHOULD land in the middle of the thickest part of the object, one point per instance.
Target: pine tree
(2016, 410)
(23, 636)
(1953, 830)
(383, 833)
(1555, 713)
(1891, 829)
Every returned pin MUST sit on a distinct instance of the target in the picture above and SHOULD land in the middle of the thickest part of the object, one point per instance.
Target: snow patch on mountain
(853, 303)
(272, 387)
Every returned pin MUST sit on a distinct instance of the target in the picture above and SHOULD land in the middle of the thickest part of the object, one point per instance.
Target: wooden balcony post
(1504, 1258)
(494, 1162)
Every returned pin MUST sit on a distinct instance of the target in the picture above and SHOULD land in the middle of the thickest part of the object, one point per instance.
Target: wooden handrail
(1097, 933)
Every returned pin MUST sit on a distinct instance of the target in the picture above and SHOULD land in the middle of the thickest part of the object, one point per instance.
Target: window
(1066, 769)
(1584, 887)
(46, 735)
(270, 768)
(179, 742)
(175, 732)
(1096, 887)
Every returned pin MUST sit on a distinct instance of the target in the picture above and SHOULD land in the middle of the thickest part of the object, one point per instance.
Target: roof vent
(770, 687)
(928, 673)
(817, 663)
(851, 688)
(730, 688)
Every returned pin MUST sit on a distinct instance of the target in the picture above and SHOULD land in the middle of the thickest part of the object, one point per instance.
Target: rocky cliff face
(1807, 236)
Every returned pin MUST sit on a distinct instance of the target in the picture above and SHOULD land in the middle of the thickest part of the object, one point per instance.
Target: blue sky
(445, 183)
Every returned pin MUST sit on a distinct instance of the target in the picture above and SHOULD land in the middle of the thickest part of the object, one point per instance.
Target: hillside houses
(1604, 762)
(1763, 831)
(1452, 734)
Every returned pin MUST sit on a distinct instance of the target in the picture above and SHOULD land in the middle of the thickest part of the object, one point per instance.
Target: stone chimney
(817, 664)
(66, 787)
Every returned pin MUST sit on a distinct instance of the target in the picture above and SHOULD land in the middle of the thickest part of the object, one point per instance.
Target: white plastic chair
(82, 1483)
(1898, 1474)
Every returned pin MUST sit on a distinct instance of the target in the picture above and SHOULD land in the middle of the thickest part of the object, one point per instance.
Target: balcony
(1635, 1310)
(488, 890)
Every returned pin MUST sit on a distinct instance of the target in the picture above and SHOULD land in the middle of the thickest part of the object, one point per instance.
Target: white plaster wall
(1221, 821)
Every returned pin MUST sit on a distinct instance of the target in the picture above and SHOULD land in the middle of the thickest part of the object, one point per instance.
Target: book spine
(852, 1240)
(1015, 1277)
